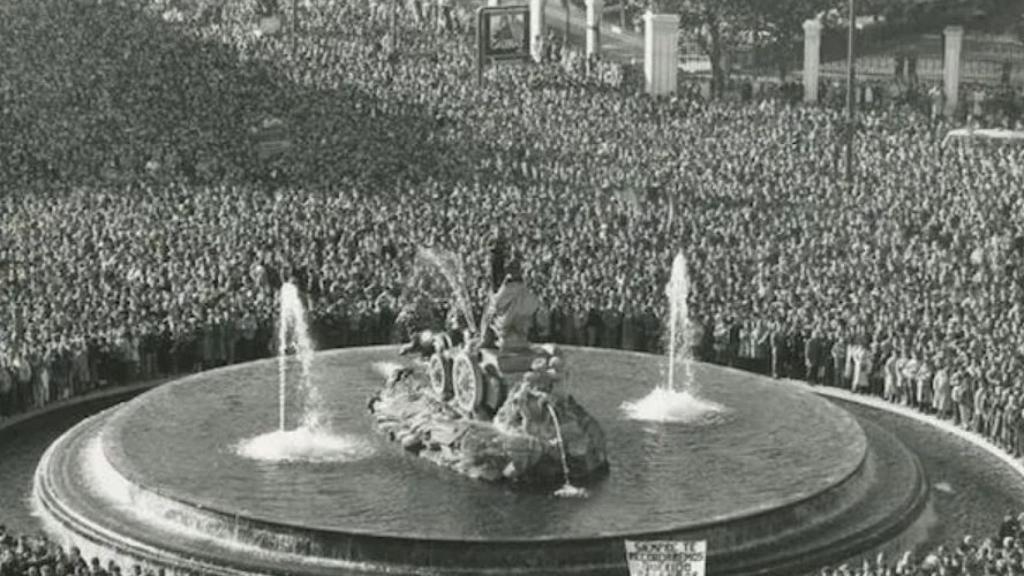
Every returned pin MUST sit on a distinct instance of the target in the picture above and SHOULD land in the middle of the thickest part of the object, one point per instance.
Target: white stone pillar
(812, 59)
(537, 8)
(594, 10)
(661, 53)
(951, 70)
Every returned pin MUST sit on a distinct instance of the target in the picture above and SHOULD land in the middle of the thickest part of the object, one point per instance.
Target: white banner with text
(666, 557)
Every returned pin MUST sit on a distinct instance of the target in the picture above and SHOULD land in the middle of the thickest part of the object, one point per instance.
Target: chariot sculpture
(492, 406)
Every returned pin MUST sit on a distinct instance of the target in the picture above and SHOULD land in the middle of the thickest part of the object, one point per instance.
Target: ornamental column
(537, 8)
(661, 53)
(594, 9)
(951, 66)
(812, 59)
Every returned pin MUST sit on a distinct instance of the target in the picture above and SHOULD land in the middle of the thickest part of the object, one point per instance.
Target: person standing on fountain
(499, 255)
(427, 342)
(777, 339)
(456, 328)
(812, 355)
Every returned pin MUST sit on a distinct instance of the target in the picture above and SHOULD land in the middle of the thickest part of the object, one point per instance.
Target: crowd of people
(25, 555)
(146, 223)
(1002, 553)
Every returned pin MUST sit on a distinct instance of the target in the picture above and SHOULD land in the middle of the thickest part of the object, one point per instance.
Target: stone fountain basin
(784, 479)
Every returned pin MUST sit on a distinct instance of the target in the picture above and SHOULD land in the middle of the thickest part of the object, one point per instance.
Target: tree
(773, 27)
(776, 27)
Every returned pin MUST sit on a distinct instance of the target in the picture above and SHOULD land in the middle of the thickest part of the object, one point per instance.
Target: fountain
(187, 477)
(293, 315)
(452, 269)
(680, 343)
(312, 439)
(673, 401)
(568, 490)
(493, 411)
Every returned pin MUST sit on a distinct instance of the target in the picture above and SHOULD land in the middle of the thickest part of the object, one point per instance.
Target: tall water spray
(680, 342)
(312, 439)
(675, 399)
(568, 490)
(451, 267)
(293, 332)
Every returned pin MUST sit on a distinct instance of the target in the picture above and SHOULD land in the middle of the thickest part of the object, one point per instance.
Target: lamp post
(295, 28)
(850, 100)
(393, 23)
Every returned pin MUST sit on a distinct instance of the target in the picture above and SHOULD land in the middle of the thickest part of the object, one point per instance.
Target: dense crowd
(1001, 553)
(145, 229)
(24, 555)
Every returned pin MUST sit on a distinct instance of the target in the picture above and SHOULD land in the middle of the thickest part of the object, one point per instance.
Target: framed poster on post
(502, 34)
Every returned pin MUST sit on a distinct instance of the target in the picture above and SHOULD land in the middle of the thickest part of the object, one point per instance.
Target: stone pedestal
(516, 427)
(951, 69)
(661, 53)
(537, 8)
(512, 364)
(812, 59)
(594, 9)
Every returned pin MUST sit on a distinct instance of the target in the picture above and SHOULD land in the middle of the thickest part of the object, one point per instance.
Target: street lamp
(850, 101)
(295, 28)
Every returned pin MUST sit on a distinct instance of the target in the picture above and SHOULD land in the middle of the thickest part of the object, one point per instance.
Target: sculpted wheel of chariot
(441, 376)
(467, 382)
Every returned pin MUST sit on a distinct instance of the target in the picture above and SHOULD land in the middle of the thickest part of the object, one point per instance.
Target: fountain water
(312, 439)
(674, 401)
(451, 267)
(680, 340)
(567, 490)
(293, 315)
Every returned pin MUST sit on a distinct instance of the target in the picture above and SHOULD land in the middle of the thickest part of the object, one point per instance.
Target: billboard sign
(503, 33)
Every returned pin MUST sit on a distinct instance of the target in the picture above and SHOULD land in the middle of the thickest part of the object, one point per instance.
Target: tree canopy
(773, 27)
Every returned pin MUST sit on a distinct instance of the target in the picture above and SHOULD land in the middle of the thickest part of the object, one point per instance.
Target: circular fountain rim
(68, 522)
(861, 514)
(176, 498)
